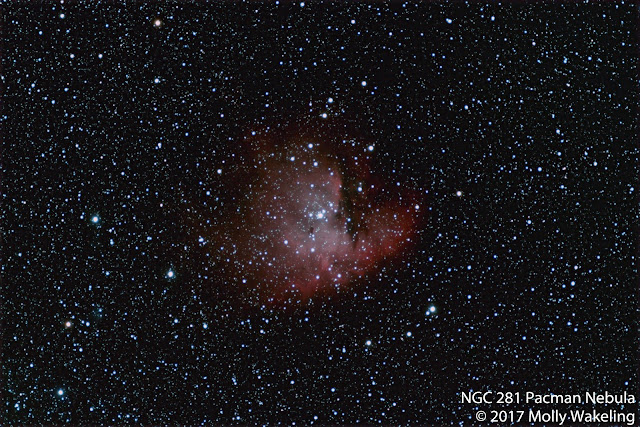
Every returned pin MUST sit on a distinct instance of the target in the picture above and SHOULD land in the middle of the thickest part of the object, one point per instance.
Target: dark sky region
(314, 212)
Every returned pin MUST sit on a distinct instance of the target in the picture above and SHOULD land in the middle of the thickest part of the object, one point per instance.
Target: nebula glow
(313, 218)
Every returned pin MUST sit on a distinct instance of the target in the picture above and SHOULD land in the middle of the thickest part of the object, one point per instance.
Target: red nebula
(312, 218)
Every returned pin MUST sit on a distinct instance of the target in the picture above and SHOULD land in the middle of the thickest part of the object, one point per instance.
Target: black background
(528, 110)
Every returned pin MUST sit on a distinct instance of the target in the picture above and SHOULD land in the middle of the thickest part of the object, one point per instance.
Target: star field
(305, 212)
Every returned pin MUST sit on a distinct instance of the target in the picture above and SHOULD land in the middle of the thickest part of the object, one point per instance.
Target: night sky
(314, 212)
